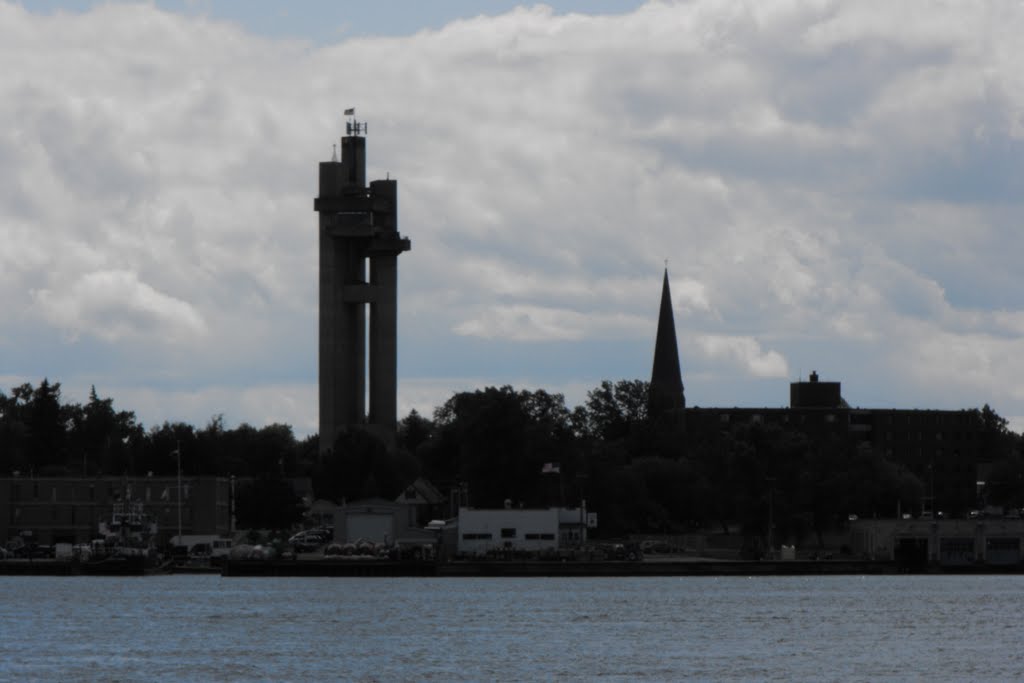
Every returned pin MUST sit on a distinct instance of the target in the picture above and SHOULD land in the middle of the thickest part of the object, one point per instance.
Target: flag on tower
(551, 468)
(350, 112)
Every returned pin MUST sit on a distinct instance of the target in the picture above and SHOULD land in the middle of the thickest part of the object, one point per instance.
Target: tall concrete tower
(358, 231)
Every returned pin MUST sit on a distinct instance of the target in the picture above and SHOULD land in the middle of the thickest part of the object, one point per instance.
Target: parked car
(307, 543)
(622, 551)
(656, 547)
(200, 551)
(318, 536)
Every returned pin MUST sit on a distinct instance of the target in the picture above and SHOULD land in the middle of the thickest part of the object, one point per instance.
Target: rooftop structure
(815, 394)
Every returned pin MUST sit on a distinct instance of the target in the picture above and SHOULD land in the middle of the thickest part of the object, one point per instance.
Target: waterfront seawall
(516, 568)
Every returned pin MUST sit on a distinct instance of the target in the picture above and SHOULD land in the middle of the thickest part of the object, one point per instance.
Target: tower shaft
(358, 228)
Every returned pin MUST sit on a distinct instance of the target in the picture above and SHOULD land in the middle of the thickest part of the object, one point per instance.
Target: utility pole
(771, 518)
(177, 452)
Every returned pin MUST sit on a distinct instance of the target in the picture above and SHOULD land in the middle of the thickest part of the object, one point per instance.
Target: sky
(834, 186)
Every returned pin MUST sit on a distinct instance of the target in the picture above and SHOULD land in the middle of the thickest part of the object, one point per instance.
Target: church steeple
(666, 380)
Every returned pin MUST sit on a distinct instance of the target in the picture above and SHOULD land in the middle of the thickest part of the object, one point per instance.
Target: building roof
(420, 491)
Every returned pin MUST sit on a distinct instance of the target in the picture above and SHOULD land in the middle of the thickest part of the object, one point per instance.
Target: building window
(508, 532)
(476, 537)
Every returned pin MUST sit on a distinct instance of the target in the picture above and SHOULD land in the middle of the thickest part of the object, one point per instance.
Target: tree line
(500, 445)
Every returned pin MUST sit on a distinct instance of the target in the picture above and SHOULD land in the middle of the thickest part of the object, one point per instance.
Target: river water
(209, 628)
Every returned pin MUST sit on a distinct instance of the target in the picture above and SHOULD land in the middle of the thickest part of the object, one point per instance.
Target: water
(209, 628)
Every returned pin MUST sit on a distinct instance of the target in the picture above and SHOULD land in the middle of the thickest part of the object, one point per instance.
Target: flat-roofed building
(944, 449)
(70, 509)
(532, 530)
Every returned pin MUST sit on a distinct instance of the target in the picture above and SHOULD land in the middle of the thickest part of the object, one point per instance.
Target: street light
(177, 453)
(771, 517)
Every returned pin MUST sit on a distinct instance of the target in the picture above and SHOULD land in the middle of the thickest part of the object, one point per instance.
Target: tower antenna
(353, 127)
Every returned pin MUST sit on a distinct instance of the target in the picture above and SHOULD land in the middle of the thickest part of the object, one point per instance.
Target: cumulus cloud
(745, 354)
(530, 323)
(833, 184)
(114, 305)
(256, 404)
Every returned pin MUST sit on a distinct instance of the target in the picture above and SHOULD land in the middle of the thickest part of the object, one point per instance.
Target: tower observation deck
(358, 233)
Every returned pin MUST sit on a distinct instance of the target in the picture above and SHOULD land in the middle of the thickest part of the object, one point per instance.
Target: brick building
(70, 509)
(945, 449)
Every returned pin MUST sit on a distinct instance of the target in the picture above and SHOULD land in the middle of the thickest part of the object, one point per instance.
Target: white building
(517, 529)
(378, 521)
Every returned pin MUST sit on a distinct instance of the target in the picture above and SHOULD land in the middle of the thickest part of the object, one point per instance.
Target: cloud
(529, 323)
(745, 353)
(257, 404)
(114, 305)
(833, 185)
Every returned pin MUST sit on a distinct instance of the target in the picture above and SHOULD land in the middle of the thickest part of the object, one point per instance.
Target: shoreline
(516, 568)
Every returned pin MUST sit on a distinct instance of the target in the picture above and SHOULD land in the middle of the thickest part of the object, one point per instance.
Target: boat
(126, 545)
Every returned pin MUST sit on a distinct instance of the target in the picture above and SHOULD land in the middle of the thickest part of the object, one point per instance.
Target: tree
(997, 442)
(1004, 486)
(992, 421)
(170, 442)
(14, 432)
(497, 440)
(47, 427)
(103, 439)
(361, 466)
(615, 410)
(413, 431)
(268, 502)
